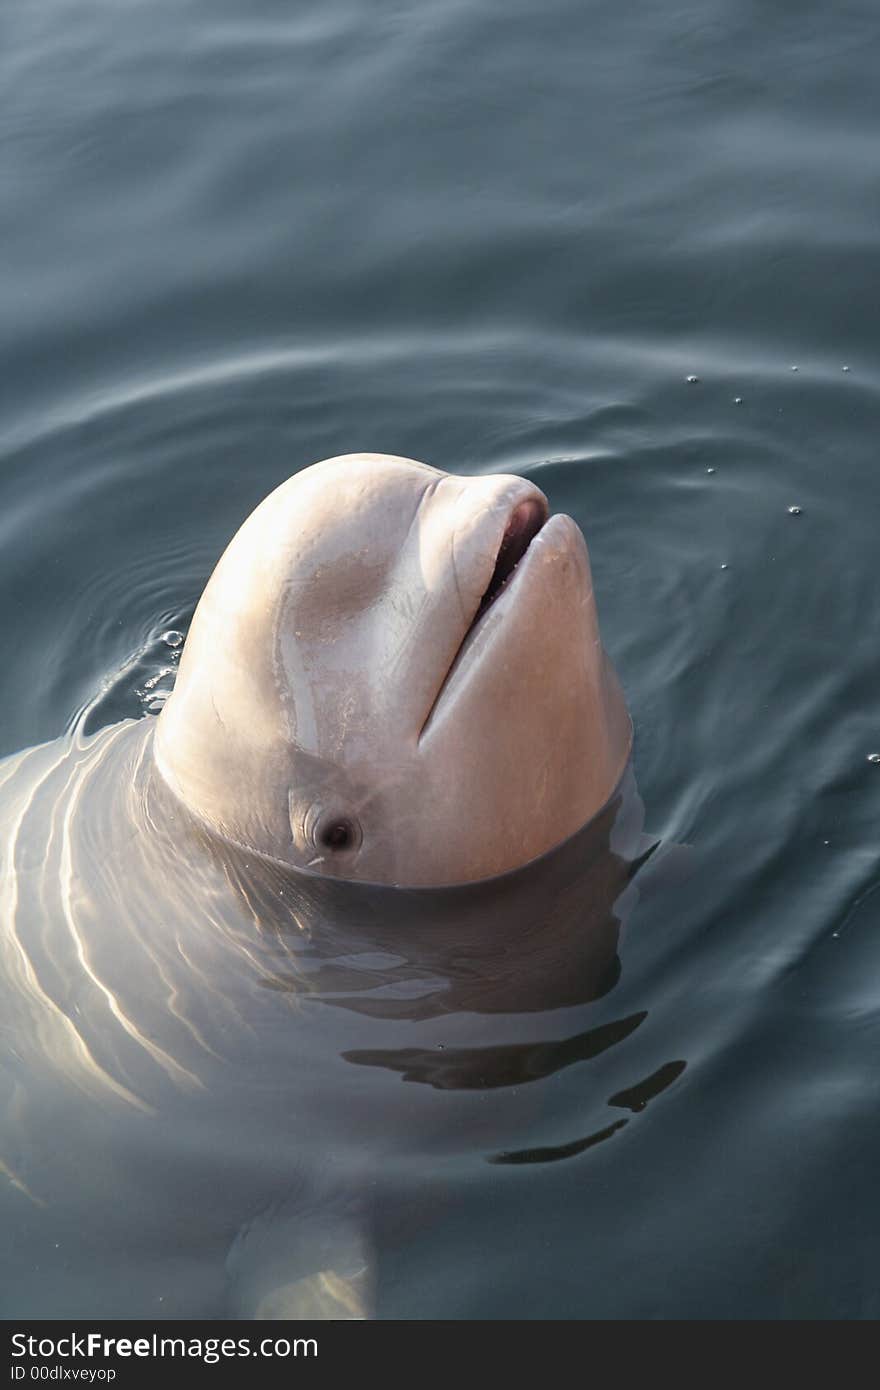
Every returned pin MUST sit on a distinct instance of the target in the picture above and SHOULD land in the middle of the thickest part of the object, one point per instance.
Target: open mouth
(525, 522)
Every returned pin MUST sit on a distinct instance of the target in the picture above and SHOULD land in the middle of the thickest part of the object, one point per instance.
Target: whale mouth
(524, 523)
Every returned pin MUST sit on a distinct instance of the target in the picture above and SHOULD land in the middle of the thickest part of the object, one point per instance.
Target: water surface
(237, 239)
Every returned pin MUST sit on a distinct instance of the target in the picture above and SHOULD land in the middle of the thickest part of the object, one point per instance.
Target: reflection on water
(482, 1068)
(553, 1153)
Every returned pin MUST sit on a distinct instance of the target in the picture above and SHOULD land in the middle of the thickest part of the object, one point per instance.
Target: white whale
(211, 980)
(395, 675)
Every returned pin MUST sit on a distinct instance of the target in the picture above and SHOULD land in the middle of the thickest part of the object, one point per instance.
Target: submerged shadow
(540, 938)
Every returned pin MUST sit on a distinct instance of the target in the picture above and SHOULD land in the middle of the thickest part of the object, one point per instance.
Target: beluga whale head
(395, 675)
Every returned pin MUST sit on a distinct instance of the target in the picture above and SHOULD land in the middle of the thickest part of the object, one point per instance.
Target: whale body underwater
(385, 821)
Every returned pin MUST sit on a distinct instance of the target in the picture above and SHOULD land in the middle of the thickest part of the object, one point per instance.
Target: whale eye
(338, 833)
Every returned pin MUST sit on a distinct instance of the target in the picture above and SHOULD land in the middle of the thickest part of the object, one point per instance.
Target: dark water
(237, 239)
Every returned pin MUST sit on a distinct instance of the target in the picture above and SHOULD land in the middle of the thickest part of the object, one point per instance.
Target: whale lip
(524, 537)
(527, 518)
(502, 595)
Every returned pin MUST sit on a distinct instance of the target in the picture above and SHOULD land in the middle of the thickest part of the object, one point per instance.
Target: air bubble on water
(692, 380)
(874, 757)
(172, 638)
(794, 511)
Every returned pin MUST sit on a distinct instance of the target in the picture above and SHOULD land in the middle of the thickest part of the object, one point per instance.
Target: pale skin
(395, 675)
